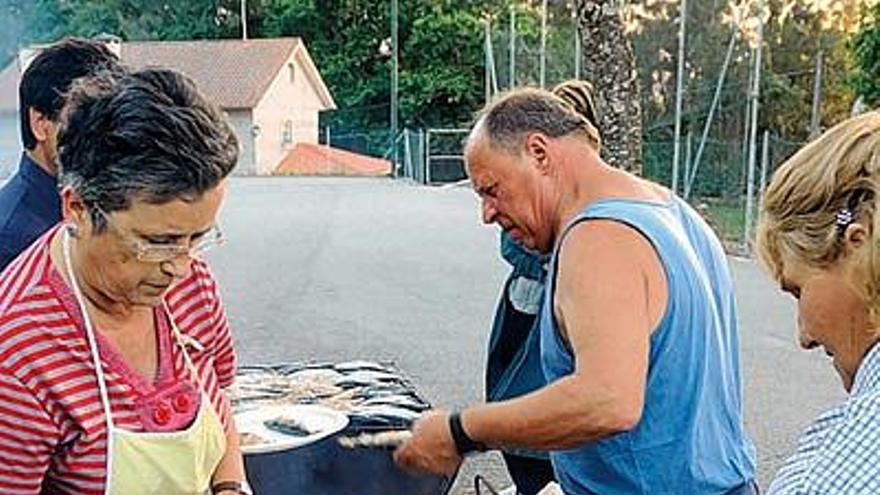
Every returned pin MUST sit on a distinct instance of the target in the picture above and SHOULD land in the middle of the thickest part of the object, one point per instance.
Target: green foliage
(727, 216)
(442, 81)
(40, 21)
(864, 49)
(442, 59)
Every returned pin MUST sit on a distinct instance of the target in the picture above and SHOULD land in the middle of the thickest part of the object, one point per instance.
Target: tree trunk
(610, 65)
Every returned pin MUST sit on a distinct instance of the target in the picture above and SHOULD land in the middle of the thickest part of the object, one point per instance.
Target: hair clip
(844, 218)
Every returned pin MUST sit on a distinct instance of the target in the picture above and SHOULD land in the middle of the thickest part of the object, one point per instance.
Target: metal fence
(444, 155)
(719, 185)
(714, 175)
(429, 156)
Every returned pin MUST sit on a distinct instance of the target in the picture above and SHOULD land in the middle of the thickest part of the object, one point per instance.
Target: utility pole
(816, 116)
(676, 150)
(244, 20)
(765, 164)
(750, 66)
(487, 58)
(753, 130)
(394, 84)
(577, 44)
(512, 76)
(544, 44)
(688, 164)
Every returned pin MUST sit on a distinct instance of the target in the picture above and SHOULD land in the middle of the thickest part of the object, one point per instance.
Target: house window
(291, 69)
(287, 134)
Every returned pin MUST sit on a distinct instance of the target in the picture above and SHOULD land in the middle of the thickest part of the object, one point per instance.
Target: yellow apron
(172, 463)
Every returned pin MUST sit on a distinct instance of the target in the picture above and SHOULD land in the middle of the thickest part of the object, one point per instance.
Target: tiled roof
(314, 159)
(231, 73)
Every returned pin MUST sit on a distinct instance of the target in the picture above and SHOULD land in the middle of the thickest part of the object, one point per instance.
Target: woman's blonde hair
(806, 206)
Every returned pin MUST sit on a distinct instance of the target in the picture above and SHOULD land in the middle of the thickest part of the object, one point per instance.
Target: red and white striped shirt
(53, 434)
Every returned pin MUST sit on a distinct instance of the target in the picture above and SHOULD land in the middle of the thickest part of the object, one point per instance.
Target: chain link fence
(718, 185)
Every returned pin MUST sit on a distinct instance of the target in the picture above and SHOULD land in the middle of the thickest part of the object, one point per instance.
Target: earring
(72, 230)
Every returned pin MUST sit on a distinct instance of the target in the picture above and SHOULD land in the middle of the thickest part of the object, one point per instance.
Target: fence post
(428, 158)
(688, 180)
(750, 203)
(424, 154)
(753, 133)
(765, 163)
(407, 153)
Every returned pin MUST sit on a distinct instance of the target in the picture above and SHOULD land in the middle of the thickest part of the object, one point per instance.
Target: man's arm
(611, 293)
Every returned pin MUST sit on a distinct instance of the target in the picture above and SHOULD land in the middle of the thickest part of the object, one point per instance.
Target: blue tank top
(690, 439)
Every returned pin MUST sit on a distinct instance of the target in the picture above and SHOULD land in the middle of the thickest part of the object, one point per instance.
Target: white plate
(321, 420)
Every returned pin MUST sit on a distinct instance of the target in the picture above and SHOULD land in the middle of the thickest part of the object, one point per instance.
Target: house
(270, 88)
(10, 144)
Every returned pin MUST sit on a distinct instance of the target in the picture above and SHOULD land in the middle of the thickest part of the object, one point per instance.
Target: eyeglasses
(150, 252)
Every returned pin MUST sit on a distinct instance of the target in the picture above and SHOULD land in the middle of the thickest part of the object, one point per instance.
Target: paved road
(332, 269)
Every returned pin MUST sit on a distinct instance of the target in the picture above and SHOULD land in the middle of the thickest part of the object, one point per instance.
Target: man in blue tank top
(639, 338)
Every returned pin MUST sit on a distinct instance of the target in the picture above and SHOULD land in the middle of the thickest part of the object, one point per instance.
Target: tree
(864, 48)
(23, 22)
(442, 64)
(610, 65)
(440, 57)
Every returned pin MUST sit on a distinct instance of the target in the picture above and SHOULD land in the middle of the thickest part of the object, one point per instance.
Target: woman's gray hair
(147, 135)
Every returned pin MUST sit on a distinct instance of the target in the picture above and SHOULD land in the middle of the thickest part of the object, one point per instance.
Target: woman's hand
(229, 488)
(231, 467)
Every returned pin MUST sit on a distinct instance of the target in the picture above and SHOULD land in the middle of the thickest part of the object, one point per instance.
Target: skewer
(384, 439)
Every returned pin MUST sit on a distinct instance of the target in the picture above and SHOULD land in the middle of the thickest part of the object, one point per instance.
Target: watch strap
(464, 444)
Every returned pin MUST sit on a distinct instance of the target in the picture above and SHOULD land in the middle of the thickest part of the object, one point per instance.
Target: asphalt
(328, 269)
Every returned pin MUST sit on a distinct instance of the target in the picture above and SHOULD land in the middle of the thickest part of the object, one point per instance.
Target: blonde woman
(817, 237)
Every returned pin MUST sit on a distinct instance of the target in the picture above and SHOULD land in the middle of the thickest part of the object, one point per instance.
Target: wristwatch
(464, 444)
(238, 487)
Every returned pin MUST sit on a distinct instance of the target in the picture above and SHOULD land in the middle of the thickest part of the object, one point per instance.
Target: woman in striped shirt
(818, 236)
(114, 345)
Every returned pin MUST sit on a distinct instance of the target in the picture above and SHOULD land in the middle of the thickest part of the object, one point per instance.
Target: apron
(146, 463)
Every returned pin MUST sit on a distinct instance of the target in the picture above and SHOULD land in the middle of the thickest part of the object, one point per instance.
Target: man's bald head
(505, 122)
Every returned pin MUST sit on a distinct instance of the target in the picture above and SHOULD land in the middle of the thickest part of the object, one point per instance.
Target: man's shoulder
(11, 241)
(604, 240)
(12, 195)
(21, 219)
(19, 228)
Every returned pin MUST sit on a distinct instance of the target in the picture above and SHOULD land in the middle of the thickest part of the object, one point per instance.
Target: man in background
(29, 202)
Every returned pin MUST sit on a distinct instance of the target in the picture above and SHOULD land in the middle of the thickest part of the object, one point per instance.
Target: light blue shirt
(690, 438)
(840, 452)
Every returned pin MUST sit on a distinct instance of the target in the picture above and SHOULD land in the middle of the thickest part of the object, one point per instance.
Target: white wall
(242, 123)
(296, 102)
(10, 143)
(309, 105)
